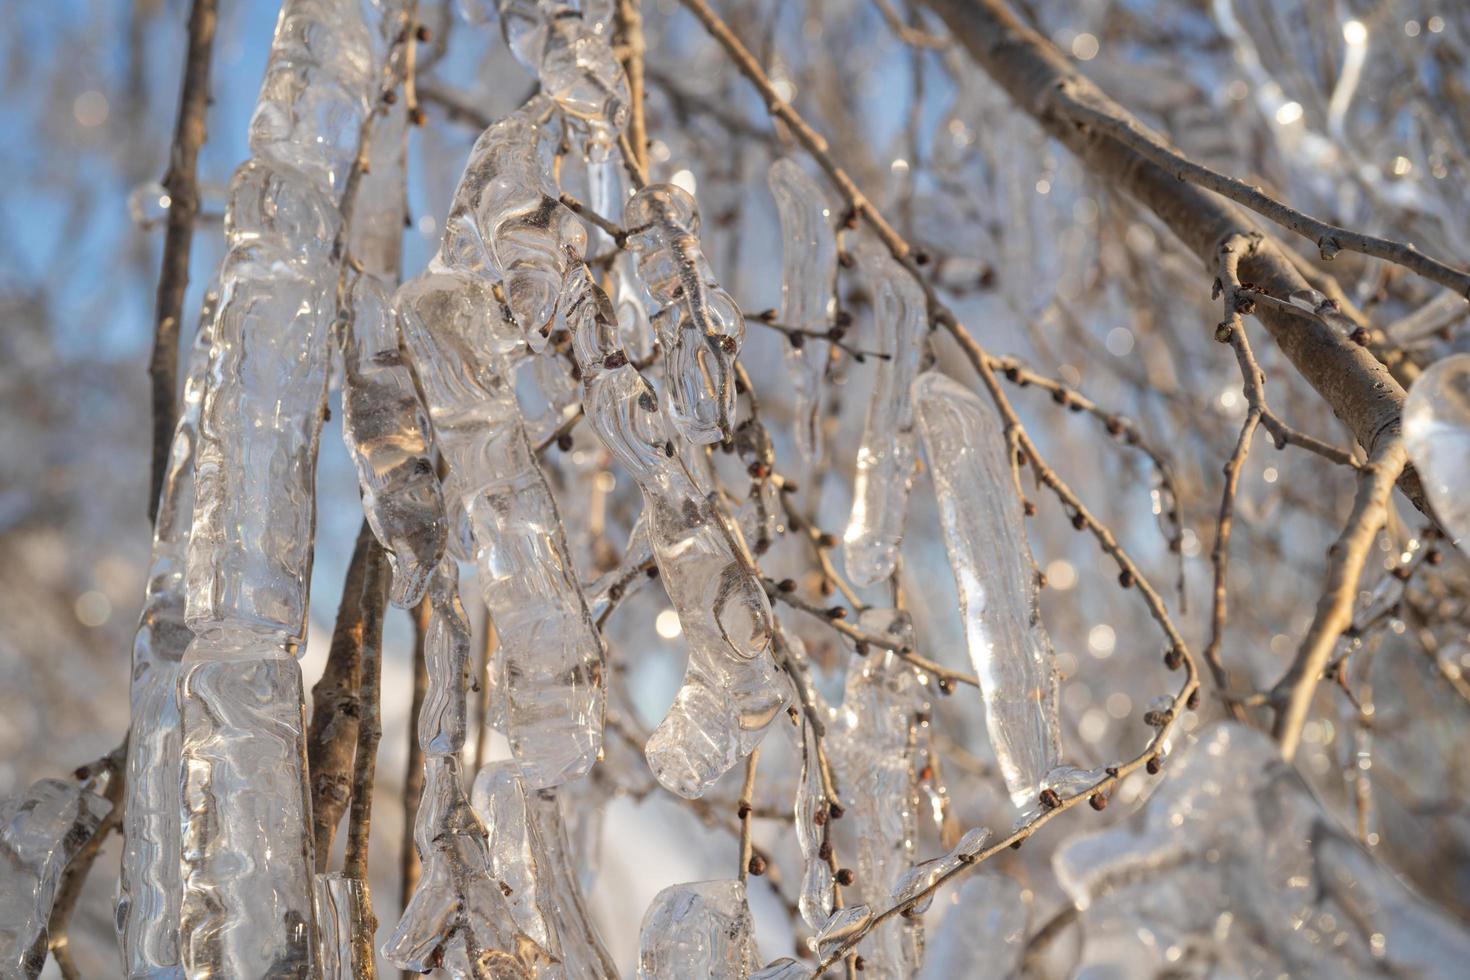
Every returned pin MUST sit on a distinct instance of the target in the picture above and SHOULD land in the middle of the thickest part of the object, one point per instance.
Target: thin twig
(413, 778)
(745, 809)
(628, 36)
(112, 767)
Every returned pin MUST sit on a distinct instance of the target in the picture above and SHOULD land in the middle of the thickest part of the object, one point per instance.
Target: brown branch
(1292, 696)
(744, 809)
(183, 207)
(1042, 81)
(628, 36)
(1220, 560)
(413, 780)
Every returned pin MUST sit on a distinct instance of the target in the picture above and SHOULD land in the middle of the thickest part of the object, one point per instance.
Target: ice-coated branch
(808, 284)
(888, 451)
(732, 690)
(699, 929)
(565, 44)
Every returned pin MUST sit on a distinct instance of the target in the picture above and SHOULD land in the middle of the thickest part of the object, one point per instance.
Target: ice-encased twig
(529, 853)
(553, 656)
(889, 449)
(731, 691)
(816, 898)
(339, 904)
(148, 886)
(506, 218)
(41, 830)
(563, 45)
(872, 743)
(985, 537)
(808, 284)
(699, 929)
(458, 914)
(247, 906)
(607, 195)
(698, 323)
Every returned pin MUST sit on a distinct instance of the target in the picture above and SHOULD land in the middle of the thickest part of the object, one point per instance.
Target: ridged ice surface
(697, 322)
(1437, 435)
(566, 46)
(1235, 863)
(505, 216)
(808, 284)
(530, 854)
(607, 195)
(872, 742)
(698, 929)
(246, 848)
(815, 898)
(148, 889)
(889, 447)
(985, 537)
(553, 657)
(731, 691)
(41, 829)
(339, 902)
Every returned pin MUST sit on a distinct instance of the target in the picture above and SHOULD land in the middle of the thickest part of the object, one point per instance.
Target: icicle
(339, 900)
(985, 536)
(608, 196)
(731, 692)
(701, 929)
(698, 323)
(815, 900)
(41, 830)
(458, 915)
(1437, 434)
(808, 284)
(562, 44)
(506, 216)
(872, 743)
(148, 889)
(386, 432)
(552, 653)
(246, 865)
(529, 854)
(888, 451)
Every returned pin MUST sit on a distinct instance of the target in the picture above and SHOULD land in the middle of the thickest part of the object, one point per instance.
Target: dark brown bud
(757, 865)
(1173, 658)
(1153, 766)
(844, 876)
(423, 33)
(1050, 799)
(1098, 802)
(564, 442)
(786, 585)
(1028, 508)
(1125, 579)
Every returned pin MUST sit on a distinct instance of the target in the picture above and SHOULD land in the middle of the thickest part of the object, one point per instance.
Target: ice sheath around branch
(700, 929)
(697, 322)
(732, 690)
(888, 451)
(246, 867)
(985, 537)
(808, 284)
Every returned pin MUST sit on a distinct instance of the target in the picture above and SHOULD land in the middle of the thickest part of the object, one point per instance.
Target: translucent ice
(731, 691)
(982, 934)
(41, 829)
(700, 929)
(808, 290)
(561, 44)
(888, 451)
(985, 536)
(815, 899)
(339, 902)
(698, 323)
(843, 924)
(1437, 434)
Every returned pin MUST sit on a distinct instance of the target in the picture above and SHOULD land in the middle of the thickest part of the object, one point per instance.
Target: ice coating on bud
(387, 435)
(699, 929)
(529, 854)
(985, 538)
(507, 198)
(565, 46)
(1437, 436)
(808, 291)
(731, 690)
(698, 323)
(246, 846)
(872, 743)
(41, 830)
(888, 451)
(815, 900)
(148, 888)
(458, 918)
(553, 656)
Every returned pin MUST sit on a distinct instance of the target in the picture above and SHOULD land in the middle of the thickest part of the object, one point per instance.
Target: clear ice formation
(148, 890)
(888, 450)
(1236, 864)
(607, 195)
(985, 537)
(924, 874)
(983, 933)
(783, 969)
(458, 917)
(872, 742)
(41, 830)
(816, 897)
(808, 291)
(731, 691)
(246, 860)
(246, 866)
(698, 323)
(843, 924)
(460, 343)
(530, 854)
(1437, 435)
(699, 929)
(565, 46)
(339, 900)
(506, 218)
